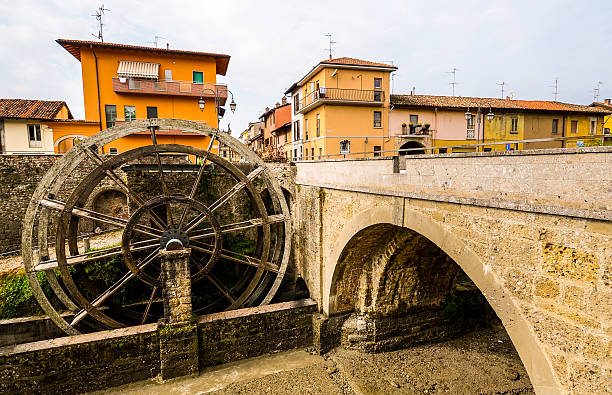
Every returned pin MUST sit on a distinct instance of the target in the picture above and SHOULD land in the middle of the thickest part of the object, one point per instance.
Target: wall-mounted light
(201, 103)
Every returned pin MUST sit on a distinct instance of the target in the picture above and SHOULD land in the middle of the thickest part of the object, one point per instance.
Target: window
(593, 126)
(295, 153)
(198, 77)
(488, 149)
(574, 127)
(414, 119)
(442, 150)
(130, 113)
(296, 103)
(377, 95)
(377, 83)
(555, 126)
(224, 153)
(151, 112)
(470, 122)
(296, 130)
(111, 115)
(113, 151)
(377, 150)
(345, 147)
(318, 125)
(377, 119)
(320, 153)
(306, 128)
(514, 125)
(312, 153)
(35, 137)
(168, 74)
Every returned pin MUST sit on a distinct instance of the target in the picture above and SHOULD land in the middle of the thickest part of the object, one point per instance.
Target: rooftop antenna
(501, 84)
(328, 35)
(99, 13)
(556, 92)
(596, 91)
(155, 40)
(452, 84)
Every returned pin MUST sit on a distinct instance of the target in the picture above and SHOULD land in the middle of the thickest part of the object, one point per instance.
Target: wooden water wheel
(233, 217)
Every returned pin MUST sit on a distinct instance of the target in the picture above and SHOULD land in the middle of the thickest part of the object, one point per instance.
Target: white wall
(18, 140)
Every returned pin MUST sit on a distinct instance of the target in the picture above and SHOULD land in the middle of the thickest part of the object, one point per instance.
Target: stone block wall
(95, 361)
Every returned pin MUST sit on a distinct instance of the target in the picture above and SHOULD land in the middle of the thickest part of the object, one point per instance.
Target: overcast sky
(526, 44)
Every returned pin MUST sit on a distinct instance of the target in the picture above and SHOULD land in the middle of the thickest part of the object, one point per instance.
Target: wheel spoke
(238, 226)
(235, 256)
(222, 288)
(94, 256)
(97, 216)
(146, 312)
(114, 288)
(194, 187)
(227, 196)
(121, 184)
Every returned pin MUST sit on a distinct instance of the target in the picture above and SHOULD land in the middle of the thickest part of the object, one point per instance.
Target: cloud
(524, 43)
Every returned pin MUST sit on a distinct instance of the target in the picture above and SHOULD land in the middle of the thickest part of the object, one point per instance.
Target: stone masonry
(533, 231)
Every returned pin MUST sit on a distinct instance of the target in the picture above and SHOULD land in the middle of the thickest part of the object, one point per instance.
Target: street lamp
(479, 113)
(202, 102)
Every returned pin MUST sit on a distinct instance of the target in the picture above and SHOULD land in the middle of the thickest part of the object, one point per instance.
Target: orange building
(125, 82)
(276, 122)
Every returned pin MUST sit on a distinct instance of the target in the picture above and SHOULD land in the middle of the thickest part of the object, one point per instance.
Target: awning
(138, 69)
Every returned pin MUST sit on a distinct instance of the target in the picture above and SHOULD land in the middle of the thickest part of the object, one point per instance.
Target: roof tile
(31, 109)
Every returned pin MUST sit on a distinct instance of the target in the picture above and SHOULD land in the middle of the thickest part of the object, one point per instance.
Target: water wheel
(95, 266)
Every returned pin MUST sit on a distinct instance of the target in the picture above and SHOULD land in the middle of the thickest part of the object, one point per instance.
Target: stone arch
(109, 200)
(411, 145)
(65, 143)
(530, 351)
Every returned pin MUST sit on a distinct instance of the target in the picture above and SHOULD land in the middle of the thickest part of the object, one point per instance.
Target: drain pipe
(98, 88)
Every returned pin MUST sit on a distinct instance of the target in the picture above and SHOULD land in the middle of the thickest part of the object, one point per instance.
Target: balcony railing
(172, 88)
(339, 95)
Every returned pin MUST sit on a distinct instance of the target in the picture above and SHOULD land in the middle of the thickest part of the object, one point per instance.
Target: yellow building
(340, 108)
(126, 82)
(606, 105)
(425, 121)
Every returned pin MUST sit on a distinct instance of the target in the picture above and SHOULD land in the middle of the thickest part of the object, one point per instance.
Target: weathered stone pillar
(178, 332)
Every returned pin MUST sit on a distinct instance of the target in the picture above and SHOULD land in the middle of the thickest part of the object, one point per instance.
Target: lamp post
(468, 116)
(215, 92)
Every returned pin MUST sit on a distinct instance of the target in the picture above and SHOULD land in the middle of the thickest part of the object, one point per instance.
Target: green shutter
(198, 77)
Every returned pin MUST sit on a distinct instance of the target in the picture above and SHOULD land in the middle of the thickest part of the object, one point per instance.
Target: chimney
(607, 101)
(267, 109)
(276, 105)
(284, 100)
(507, 98)
(167, 45)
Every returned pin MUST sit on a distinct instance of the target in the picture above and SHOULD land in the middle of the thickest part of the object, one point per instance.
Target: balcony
(355, 97)
(170, 88)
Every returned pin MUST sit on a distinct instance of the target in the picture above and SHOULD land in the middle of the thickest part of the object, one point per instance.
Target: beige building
(23, 124)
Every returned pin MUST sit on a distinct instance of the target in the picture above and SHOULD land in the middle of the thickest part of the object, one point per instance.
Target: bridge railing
(510, 145)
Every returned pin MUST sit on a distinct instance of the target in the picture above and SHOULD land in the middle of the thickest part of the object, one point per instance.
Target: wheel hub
(172, 236)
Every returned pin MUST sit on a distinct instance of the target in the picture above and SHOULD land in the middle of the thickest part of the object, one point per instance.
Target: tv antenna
(501, 84)
(596, 91)
(99, 13)
(452, 84)
(328, 35)
(155, 40)
(556, 92)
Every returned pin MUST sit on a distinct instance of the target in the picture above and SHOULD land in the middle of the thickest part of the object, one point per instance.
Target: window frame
(113, 151)
(34, 135)
(110, 124)
(156, 113)
(514, 125)
(374, 121)
(193, 75)
(377, 150)
(379, 80)
(125, 113)
(555, 126)
(347, 147)
(318, 125)
(572, 124)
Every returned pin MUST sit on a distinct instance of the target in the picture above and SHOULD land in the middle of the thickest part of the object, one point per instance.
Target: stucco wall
(18, 140)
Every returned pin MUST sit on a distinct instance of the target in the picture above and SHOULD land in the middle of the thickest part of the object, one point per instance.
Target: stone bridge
(379, 242)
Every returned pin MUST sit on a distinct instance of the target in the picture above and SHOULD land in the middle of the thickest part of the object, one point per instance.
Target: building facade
(125, 82)
(341, 108)
(276, 123)
(254, 136)
(424, 121)
(35, 126)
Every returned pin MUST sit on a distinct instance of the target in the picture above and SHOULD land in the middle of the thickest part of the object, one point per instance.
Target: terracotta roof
(74, 47)
(606, 104)
(356, 62)
(31, 109)
(454, 102)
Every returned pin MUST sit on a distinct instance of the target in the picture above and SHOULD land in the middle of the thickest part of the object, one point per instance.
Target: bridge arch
(531, 353)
